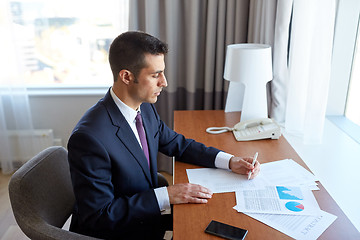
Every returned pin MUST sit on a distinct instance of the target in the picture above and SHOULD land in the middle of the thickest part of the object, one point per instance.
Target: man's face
(150, 81)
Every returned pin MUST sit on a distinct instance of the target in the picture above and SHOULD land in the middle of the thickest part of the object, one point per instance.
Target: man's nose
(163, 82)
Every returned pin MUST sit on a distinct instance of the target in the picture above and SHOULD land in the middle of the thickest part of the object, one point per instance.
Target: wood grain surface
(190, 220)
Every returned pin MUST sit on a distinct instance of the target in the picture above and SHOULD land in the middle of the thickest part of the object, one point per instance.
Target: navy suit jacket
(112, 182)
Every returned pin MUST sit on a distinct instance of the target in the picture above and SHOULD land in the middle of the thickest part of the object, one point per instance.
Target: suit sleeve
(185, 150)
(97, 206)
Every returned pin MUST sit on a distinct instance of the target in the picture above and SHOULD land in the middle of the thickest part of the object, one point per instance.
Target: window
(352, 111)
(344, 89)
(65, 43)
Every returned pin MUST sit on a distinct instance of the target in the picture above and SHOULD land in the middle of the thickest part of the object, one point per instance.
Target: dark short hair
(128, 50)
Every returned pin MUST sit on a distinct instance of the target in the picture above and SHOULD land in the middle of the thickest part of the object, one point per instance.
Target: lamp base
(234, 99)
(254, 103)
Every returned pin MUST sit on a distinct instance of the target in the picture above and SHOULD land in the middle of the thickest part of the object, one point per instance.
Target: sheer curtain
(15, 113)
(301, 33)
(197, 32)
(309, 67)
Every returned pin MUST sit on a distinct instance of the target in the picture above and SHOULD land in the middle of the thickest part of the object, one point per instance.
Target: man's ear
(125, 76)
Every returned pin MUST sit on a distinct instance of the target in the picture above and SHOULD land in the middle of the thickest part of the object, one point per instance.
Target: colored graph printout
(277, 200)
(294, 206)
(289, 193)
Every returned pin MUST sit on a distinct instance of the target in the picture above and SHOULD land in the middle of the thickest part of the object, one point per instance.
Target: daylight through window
(65, 43)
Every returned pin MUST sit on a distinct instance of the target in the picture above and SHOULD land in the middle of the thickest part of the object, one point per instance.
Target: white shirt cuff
(222, 160)
(162, 197)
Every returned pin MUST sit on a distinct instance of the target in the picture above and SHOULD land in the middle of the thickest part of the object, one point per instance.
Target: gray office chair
(42, 197)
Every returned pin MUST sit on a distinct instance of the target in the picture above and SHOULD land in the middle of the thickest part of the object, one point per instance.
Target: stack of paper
(280, 196)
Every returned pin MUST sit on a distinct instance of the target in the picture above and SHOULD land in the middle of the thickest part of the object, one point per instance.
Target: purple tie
(142, 136)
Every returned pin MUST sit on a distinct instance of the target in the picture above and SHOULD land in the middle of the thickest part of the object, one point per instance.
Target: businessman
(113, 151)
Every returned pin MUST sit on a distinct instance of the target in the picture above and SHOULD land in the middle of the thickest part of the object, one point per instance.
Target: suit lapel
(126, 135)
(150, 133)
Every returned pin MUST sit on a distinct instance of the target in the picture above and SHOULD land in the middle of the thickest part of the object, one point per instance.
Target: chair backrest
(42, 197)
(162, 181)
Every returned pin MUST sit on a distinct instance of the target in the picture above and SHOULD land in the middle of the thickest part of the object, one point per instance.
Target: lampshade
(250, 65)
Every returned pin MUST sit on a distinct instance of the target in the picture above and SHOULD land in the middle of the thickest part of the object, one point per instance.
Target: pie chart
(294, 206)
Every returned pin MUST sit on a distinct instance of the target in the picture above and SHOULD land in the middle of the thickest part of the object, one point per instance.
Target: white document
(297, 227)
(221, 180)
(282, 172)
(291, 200)
(287, 172)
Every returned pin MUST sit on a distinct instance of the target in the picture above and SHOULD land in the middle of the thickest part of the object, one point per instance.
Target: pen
(253, 163)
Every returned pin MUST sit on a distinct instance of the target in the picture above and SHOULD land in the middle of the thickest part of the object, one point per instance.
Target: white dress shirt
(221, 161)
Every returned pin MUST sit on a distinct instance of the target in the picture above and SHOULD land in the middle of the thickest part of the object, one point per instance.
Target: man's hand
(243, 166)
(188, 193)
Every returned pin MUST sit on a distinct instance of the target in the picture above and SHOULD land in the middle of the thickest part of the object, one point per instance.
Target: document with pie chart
(294, 200)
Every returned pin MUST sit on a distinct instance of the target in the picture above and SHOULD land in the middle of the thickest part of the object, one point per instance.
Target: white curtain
(15, 113)
(309, 67)
(301, 34)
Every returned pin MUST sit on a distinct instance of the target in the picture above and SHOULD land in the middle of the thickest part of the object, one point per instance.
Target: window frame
(346, 28)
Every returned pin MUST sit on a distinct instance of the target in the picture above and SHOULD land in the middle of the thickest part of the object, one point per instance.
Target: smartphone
(226, 231)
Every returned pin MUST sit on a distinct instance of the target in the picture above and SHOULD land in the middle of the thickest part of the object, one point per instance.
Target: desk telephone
(251, 130)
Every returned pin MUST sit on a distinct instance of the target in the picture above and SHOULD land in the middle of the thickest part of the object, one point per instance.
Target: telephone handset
(251, 130)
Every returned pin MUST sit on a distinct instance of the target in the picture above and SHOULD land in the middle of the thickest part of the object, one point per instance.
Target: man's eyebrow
(160, 71)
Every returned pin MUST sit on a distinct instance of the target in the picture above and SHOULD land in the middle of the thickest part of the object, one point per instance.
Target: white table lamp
(251, 66)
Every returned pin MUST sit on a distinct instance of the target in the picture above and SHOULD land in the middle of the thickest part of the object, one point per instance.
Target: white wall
(60, 112)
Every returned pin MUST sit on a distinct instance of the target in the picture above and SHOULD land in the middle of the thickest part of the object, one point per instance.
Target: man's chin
(153, 100)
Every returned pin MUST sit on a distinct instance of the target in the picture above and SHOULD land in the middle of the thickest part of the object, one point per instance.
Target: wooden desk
(190, 220)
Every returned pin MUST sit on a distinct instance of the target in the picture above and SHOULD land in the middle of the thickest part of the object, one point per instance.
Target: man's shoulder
(96, 117)
(94, 113)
